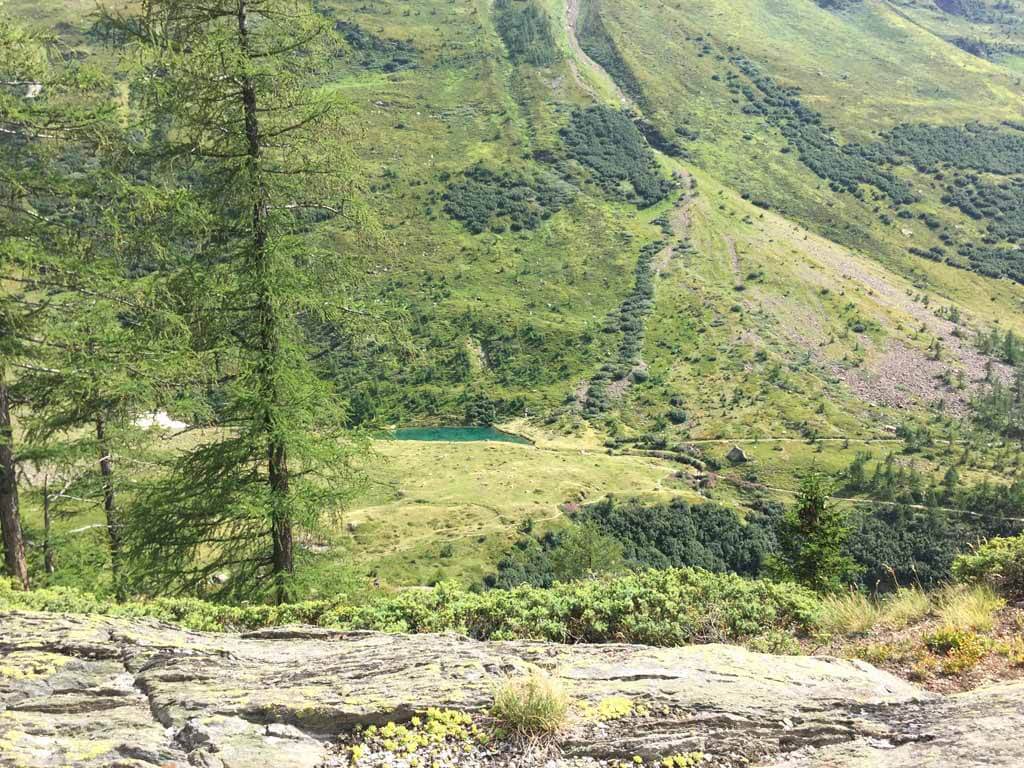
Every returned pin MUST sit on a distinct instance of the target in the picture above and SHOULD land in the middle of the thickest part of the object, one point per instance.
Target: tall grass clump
(969, 608)
(905, 606)
(535, 705)
(849, 614)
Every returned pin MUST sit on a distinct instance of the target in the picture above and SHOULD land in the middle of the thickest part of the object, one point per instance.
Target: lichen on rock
(94, 691)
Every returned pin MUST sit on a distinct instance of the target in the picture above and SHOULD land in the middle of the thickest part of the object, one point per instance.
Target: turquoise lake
(457, 435)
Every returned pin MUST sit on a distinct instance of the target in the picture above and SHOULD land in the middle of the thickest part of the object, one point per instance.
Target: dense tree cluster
(846, 168)
(900, 545)
(894, 540)
(977, 11)
(499, 200)
(1007, 347)
(178, 268)
(526, 30)
(676, 533)
(838, 5)
(986, 49)
(977, 147)
(910, 532)
(994, 260)
(577, 552)
(375, 52)
(629, 320)
(637, 305)
(639, 534)
(934, 253)
(517, 354)
(1000, 206)
(982, 149)
(1000, 408)
(660, 141)
(482, 409)
(607, 142)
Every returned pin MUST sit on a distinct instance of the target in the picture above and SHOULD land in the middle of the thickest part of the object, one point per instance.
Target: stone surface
(737, 455)
(92, 691)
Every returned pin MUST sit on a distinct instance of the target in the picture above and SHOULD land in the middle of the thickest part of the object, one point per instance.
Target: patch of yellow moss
(28, 665)
(84, 750)
(611, 708)
(436, 726)
(688, 760)
(9, 740)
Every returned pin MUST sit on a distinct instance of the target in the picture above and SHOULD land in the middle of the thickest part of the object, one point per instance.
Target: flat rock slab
(95, 691)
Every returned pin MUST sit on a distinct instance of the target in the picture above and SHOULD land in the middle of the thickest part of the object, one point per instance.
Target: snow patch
(160, 419)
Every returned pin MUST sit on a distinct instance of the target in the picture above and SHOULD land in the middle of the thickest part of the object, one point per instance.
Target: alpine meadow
(510, 383)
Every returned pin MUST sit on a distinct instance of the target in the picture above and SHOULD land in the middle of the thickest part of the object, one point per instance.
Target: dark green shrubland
(607, 142)
(998, 562)
(599, 45)
(525, 29)
(499, 200)
(666, 608)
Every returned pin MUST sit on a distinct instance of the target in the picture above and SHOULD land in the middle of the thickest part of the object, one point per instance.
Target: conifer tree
(22, 63)
(812, 538)
(82, 333)
(44, 110)
(238, 88)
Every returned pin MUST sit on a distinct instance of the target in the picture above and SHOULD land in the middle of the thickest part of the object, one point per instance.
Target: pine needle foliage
(812, 538)
(62, 311)
(248, 122)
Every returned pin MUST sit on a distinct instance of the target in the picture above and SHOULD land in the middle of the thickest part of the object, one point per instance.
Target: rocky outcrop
(737, 455)
(94, 691)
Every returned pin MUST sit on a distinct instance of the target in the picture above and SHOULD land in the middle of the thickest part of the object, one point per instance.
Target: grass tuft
(969, 608)
(849, 614)
(904, 607)
(535, 705)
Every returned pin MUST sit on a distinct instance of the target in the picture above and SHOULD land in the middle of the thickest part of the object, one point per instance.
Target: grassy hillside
(755, 263)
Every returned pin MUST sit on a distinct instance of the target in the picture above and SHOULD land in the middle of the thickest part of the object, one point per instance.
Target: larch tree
(82, 329)
(102, 368)
(247, 120)
(23, 67)
(44, 109)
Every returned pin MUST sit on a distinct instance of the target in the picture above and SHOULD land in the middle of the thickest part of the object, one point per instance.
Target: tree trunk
(48, 556)
(284, 559)
(109, 505)
(10, 514)
(268, 323)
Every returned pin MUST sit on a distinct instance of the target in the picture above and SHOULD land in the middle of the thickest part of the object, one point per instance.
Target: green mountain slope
(792, 233)
(864, 71)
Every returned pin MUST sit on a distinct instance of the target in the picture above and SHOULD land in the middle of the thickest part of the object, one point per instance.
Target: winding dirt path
(579, 57)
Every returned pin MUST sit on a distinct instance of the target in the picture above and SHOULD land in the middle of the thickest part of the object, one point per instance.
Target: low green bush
(607, 142)
(999, 563)
(677, 606)
(498, 200)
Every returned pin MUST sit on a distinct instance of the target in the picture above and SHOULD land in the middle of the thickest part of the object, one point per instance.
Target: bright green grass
(448, 510)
